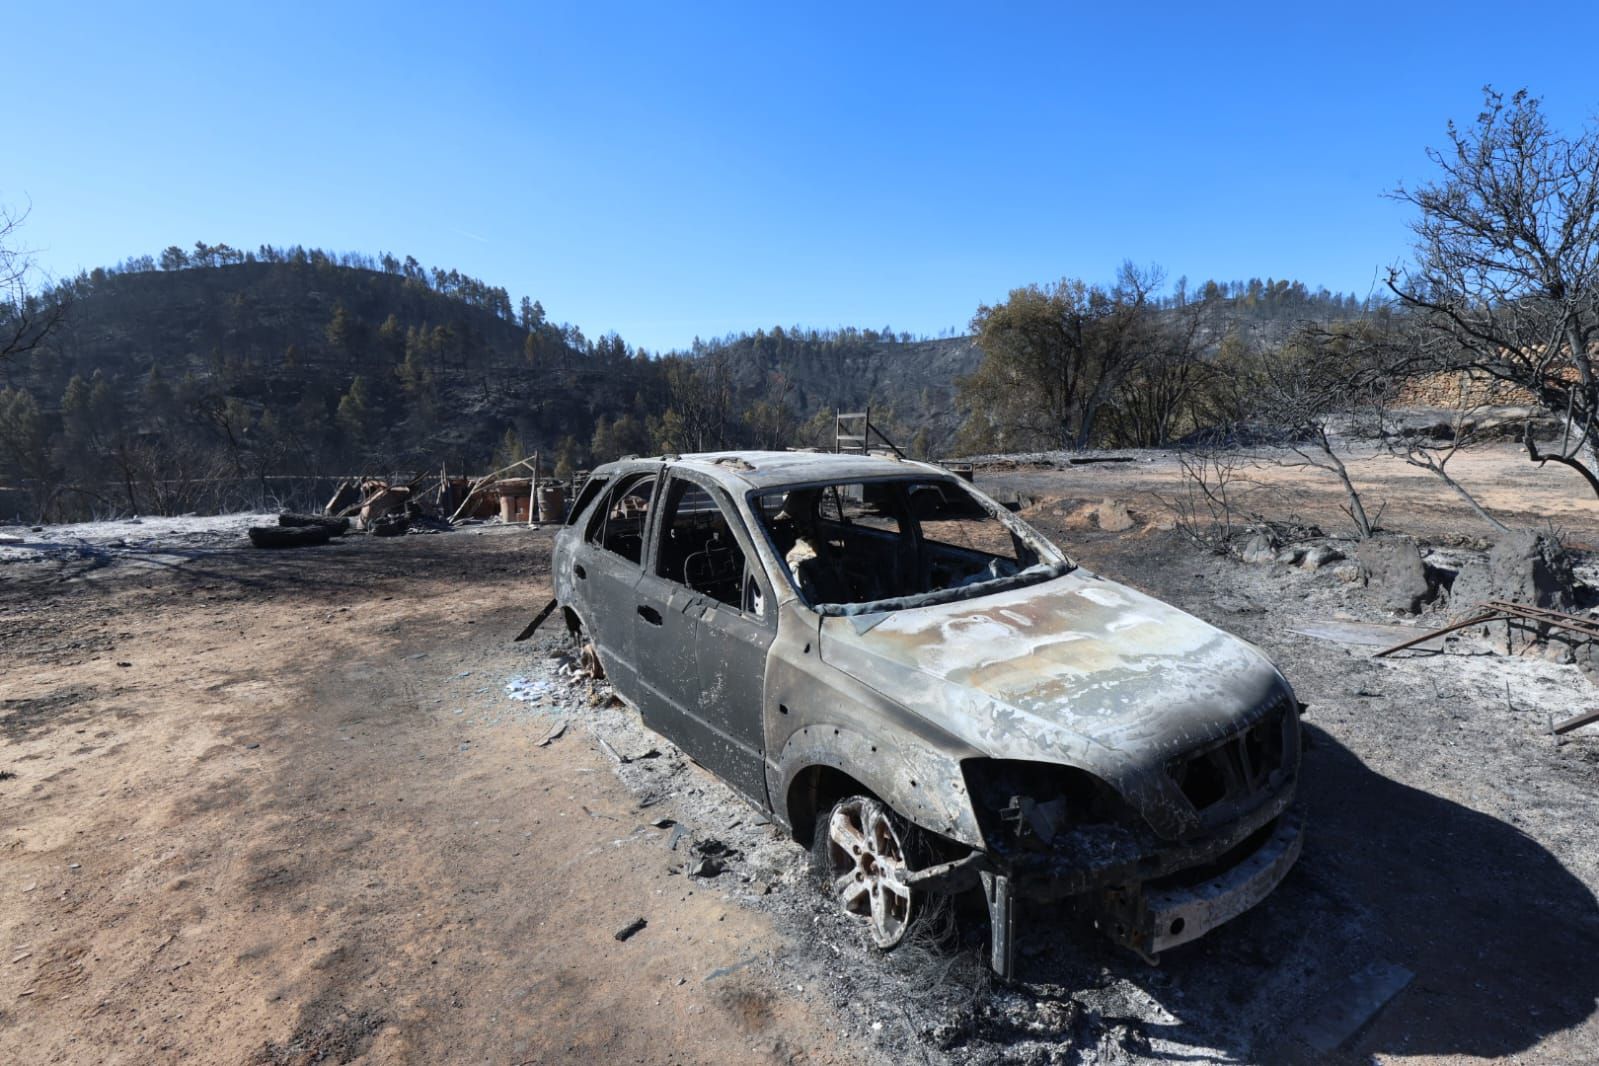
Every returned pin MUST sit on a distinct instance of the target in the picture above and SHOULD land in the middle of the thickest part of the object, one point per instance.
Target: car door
(702, 668)
(606, 569)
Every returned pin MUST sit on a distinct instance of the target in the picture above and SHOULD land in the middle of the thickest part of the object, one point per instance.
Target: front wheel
(862, 852)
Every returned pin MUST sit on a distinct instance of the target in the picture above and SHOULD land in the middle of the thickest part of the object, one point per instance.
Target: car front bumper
(1154, 916)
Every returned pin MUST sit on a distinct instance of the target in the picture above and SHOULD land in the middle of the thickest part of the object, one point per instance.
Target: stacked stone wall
(1463, 389)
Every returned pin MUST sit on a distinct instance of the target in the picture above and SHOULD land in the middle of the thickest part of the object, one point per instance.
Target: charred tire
(337, 526)
(288, 536)
(860, 852)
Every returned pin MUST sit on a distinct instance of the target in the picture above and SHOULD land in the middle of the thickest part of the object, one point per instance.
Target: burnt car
(931, 696)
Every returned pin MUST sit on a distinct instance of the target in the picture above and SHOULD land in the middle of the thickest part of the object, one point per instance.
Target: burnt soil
(278, 807)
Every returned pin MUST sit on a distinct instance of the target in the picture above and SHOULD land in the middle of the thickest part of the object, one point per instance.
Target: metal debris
(1505, 611)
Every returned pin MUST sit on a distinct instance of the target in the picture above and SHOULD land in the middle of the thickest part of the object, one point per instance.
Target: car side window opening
(698, 549)
(591, 488)
(618, 525)
(863, 542)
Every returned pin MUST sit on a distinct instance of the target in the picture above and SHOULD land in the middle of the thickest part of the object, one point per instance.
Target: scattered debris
(1372, 634)
(706, 867)
(553, 735)
(627, 931)
(390, 525)
(538, 620)
(527, 690)
(1586, 718)
(723, 971)
(1501, 610)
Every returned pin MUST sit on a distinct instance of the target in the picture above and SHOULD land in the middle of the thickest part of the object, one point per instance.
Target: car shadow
(1497, 938)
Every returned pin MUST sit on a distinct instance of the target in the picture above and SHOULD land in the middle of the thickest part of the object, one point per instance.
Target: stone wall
(1462, 390)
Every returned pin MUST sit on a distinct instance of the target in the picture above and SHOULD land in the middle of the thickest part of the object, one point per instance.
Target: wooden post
(533, 491)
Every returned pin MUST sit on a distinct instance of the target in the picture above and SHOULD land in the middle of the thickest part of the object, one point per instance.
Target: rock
(630, 928)
(1349, 573)
(1558, 652)
(1291, 555)
(1113, 516)
(1524, 567)
(1319, 555)
(1586, 655)
(1394, 572)
(1258, 549)
(1472, 586)
(1531, 568)
(705, 867)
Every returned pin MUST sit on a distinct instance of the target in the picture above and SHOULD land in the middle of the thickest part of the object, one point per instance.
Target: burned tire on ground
(337, 526)
(289, 536)
(861, 852)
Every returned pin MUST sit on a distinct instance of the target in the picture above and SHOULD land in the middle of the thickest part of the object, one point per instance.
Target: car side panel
(823, 717)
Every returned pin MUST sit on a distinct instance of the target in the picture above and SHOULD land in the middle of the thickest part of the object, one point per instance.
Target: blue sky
(672, 171)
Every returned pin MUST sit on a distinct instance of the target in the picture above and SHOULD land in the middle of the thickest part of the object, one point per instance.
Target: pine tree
(355, 412)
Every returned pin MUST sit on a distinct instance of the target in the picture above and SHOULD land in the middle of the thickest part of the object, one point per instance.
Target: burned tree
(1325, 386)
(26, 317)
(1506, 280)
(1054, 357)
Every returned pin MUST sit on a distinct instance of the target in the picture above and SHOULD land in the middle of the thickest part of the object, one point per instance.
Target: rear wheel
(862, 852)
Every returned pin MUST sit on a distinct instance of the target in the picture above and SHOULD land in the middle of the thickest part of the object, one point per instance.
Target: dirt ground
(253, 812)
(280, 808)
(1400, 497)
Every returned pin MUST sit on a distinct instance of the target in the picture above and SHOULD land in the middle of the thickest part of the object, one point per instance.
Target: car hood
(1078, 669)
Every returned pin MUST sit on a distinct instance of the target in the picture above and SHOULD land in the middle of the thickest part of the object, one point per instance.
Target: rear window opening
(898, 543)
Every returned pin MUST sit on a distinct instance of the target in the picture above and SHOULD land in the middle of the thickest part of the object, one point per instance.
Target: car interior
(697, 545)
(619, 527)
(878, 540)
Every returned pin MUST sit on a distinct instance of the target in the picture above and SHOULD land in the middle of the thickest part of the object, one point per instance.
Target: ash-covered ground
(292, 792)
(154, 540)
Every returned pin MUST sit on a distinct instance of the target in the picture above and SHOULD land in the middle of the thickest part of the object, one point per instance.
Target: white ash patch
(128, 536)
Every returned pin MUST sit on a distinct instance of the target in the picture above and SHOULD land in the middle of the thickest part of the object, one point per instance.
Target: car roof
(742, 470)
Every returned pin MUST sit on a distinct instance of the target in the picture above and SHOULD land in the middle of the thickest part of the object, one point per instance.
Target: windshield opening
(886, 545)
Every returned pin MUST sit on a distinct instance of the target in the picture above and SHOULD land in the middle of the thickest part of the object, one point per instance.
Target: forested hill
(220, 365)
(222, 368)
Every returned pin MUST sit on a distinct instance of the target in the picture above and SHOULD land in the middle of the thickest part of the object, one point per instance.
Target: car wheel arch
(814, 789)
(922, 786)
